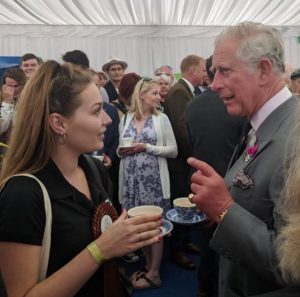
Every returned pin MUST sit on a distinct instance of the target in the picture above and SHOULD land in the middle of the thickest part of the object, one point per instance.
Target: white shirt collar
(189, 85)
(278, 99)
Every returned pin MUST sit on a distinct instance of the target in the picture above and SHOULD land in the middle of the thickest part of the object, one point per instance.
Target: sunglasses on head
(145, 79)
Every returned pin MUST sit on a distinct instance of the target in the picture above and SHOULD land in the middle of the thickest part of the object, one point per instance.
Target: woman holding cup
(144, 176)
(60, 117)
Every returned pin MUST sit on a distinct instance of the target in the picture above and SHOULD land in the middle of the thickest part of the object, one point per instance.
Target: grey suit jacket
(245, 237)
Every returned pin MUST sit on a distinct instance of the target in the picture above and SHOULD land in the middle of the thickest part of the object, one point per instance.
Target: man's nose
(216, 83)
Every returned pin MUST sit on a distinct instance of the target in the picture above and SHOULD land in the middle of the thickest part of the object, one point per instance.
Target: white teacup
(99, 157)
(185, 209)
(126, 141)
(144, 210)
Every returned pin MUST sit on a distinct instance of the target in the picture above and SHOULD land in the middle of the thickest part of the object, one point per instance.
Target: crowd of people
(226, 135)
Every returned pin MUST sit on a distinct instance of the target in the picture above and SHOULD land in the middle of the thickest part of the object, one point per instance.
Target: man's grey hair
(258, 41)
(162, 66)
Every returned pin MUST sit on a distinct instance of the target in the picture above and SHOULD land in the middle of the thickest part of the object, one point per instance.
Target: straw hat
(112, 61)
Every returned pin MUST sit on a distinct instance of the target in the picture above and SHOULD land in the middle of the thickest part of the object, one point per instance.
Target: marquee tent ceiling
(149, 12)
(146, 33)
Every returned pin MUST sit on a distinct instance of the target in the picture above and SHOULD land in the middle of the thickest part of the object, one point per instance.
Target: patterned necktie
(242, 143)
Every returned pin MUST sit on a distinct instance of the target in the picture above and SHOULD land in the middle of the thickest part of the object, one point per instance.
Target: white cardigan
(165, 147)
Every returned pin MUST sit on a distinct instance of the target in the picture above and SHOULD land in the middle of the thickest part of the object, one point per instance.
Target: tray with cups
(166, 227)
(184, 212)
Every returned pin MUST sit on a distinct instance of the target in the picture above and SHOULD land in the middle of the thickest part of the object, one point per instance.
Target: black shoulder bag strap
(119, 106)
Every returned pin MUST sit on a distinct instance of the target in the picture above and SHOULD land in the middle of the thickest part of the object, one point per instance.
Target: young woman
(60, 116)
(144, 176)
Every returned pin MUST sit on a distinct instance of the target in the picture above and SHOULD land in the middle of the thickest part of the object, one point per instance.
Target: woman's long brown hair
(53, 88)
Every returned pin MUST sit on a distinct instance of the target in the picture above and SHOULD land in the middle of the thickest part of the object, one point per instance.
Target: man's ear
(265, 67)
(57, 123)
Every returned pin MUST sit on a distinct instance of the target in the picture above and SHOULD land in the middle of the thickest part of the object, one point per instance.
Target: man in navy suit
(248, 61)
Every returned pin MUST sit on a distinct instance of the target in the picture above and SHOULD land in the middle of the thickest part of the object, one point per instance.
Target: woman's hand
(138, 147)
(123, 151)
(129, 234)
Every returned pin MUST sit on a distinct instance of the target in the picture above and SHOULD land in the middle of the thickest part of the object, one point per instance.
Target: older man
(249, 61)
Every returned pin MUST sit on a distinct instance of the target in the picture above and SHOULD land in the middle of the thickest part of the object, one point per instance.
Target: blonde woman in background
(144, 175)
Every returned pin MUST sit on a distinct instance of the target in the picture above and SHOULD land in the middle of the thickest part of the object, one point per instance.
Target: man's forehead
(115, 65)
(30, 61)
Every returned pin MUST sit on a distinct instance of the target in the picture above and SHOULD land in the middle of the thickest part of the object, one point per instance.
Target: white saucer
(172, 215)
(166, 227)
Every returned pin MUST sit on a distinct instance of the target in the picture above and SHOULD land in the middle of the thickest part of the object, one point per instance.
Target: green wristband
(96, 253)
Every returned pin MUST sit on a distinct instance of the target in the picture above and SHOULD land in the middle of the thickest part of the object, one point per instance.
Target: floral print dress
(142, 183)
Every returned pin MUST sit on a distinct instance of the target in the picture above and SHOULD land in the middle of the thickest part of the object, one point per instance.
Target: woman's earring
(62, 138)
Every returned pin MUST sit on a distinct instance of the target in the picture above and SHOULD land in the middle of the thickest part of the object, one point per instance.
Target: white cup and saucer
(166, 227)
(126, 142)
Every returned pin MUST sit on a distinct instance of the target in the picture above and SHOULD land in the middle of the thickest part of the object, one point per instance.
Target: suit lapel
(268, 128)
(185, 85)
(261, 146)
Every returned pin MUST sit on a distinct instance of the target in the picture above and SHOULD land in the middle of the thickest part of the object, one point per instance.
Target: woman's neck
(146, 113)
(66, 161)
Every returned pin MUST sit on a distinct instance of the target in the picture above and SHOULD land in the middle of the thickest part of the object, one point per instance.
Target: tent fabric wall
(8, 62)
(145, 33)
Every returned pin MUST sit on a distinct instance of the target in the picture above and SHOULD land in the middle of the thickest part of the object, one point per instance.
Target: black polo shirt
(22, 217)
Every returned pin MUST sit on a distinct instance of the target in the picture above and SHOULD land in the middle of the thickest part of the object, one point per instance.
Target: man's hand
(210, 191)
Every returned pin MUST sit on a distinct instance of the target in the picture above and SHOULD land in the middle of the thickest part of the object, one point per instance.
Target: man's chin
(231, 110)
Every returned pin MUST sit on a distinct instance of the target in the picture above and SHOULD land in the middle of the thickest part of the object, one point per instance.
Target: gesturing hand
(210, 191)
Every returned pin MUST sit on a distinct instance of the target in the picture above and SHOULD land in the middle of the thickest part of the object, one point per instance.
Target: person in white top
(144, 175)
